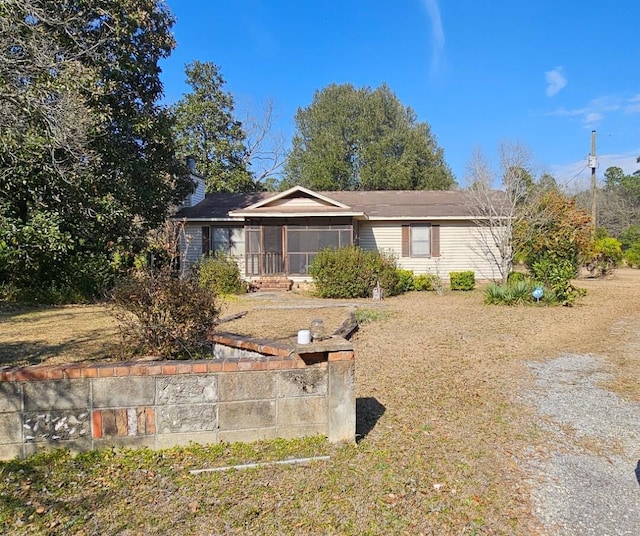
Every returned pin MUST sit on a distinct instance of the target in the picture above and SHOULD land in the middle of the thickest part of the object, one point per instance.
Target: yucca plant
(520, 293)
(494, 294)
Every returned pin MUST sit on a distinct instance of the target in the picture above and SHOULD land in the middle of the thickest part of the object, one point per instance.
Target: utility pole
(593, 163)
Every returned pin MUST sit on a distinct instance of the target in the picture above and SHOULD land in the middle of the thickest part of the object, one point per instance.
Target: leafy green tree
(361, 139)
(87, 157)
(547, 182)
(626, 185)
(556, 240)
(207, 129)
(630, 236)
(613, 176)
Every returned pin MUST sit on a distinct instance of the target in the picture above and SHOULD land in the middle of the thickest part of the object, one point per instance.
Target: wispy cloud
(593, 117)
(597, 109)
(437, 34)
(632, 105)
(555, 81)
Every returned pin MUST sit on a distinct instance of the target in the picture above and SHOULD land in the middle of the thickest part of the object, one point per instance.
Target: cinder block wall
(252, 389)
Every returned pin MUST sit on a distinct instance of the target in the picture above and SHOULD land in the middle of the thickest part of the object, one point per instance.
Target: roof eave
(425, 218)
(187, 219)
(253, 214)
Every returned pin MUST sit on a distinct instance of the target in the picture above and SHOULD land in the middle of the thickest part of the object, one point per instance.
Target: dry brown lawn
(444, 433)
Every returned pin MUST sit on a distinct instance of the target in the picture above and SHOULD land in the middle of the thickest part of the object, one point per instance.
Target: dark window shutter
(206, 241)
(435, 240)
(406, 241)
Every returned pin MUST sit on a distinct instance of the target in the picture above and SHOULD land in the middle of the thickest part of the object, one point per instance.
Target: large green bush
(632, 255)
(220, 274)
(163, 314)
(607, 254)
(352, 272)
(79, 277)
(556, 274)
(462, 280)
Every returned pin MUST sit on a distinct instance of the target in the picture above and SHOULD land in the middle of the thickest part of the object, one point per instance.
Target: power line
(574, 177)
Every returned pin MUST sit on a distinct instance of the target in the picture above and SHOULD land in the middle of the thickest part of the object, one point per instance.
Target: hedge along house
(277, 234)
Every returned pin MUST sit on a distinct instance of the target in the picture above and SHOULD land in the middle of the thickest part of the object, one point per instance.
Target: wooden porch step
(265, 284)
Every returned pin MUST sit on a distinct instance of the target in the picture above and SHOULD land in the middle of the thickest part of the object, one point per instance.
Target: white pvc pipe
(263, 464)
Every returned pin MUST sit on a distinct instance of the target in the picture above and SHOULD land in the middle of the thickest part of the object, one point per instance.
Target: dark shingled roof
(405, 203)
(218, 205)
(375, 204)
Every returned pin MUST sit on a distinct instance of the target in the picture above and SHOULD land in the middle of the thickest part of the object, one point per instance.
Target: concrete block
(75, 447)
(234, 386)
(342, 402)
(125, 442)
(244, 415)
(247, 436)
(291, 432)
(186, 389)
(186, 418)
(56, 426)
(303, 382)
(220, 351)
(128, 391)
(10, 397)
(167, 441)
(302, 411)
(56, 394)
(10, 452)
(10, 428)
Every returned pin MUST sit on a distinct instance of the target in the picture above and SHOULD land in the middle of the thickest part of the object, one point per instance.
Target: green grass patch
(365, 315)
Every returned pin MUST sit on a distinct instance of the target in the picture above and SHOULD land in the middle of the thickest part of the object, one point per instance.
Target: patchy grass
(30, 336)
(442, 430)
(364, 315)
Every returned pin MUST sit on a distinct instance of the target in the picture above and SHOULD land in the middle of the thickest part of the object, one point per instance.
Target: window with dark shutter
(406, 241)
(421, 240)
(435, 240)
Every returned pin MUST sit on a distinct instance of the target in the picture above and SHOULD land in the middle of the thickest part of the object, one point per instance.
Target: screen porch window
(304, 243)
(421, 240)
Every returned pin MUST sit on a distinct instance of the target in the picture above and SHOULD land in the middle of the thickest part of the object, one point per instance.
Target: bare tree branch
(265, 149)
(499, 212)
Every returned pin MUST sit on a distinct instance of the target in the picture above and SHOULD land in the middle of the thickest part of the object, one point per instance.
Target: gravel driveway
(588, 482)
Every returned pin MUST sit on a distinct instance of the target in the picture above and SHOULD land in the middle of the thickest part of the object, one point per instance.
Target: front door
(264, 253)
(272, 259)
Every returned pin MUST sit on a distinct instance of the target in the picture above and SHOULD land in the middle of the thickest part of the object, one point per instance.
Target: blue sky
(541, 73)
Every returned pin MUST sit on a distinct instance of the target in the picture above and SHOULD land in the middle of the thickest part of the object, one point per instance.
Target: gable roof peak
(291, 192)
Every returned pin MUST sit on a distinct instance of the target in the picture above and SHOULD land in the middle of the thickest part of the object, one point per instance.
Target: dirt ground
(442, 427)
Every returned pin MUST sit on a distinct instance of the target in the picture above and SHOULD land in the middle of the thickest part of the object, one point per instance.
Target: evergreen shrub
(351, 272)
(220, 274)
(462, 280)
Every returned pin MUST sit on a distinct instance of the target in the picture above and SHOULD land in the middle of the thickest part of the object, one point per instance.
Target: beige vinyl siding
(460, 248)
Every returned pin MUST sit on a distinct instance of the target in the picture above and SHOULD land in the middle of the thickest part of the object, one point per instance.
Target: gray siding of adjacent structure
(191, 245)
